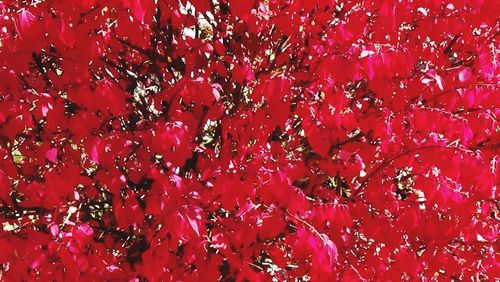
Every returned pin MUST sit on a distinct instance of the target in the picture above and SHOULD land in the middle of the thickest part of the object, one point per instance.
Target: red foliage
(249, 140)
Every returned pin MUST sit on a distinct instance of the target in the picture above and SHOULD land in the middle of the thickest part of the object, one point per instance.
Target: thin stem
(397, 156)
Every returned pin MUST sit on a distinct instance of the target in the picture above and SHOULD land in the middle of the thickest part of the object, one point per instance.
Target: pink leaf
(95, 153)
(194, 225)
(331, 249)
(138, 9)
(216, 88)
(439, 82)
(54, 229)
(85, 230)
(26, 18)
(464, 75)
(51, 155)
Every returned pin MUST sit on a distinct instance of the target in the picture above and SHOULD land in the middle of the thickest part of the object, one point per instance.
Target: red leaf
(4, 187)
(241, 9)
(201, 6)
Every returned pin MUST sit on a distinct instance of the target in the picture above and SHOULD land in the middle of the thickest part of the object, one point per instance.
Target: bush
(249, 140)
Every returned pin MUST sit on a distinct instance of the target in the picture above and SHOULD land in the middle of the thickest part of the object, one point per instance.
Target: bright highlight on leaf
(51, 155)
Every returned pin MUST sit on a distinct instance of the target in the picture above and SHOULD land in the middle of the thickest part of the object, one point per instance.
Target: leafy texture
(249, 140)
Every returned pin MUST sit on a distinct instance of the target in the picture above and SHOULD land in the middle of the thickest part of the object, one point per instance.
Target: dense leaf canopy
(205, 140)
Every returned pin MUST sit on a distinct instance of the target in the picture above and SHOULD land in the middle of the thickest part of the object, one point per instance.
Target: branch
(397, 156)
